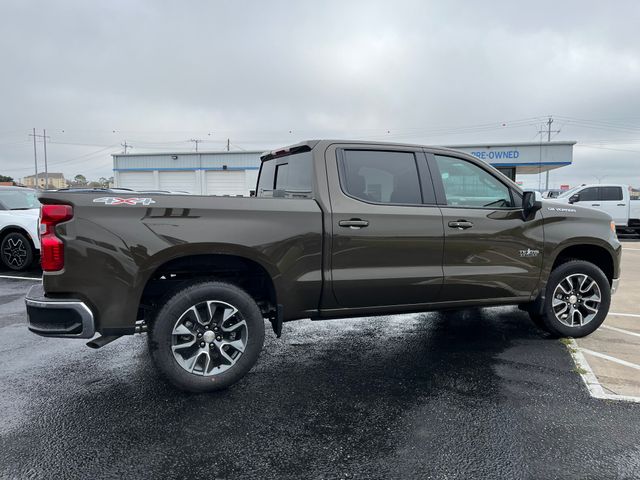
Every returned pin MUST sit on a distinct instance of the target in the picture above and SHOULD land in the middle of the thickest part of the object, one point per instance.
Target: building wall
(206, 173)
(56, 182)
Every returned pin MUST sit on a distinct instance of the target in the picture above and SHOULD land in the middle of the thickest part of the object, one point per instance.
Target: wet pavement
(478, 393)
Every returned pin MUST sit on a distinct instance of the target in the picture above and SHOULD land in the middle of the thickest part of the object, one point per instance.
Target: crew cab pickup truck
(336, 229)
(613, 199)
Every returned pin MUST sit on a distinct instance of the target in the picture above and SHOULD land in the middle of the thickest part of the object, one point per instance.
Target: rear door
(387, 234)
(490, 252)
(612, 201)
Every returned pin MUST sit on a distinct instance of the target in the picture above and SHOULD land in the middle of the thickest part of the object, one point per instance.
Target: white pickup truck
(611, 198)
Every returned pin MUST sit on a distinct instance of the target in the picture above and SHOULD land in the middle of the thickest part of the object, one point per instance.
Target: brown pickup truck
(336, 229)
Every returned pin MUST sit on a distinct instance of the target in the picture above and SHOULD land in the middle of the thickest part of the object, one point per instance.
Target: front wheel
(577, 300)
(207, 336)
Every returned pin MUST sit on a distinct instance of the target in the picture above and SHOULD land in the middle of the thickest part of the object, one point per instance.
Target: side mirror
(574, 198)
(531, 202)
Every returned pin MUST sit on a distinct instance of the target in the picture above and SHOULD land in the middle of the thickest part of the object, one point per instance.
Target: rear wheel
(207, 336)
(16, 251)
(577, 300)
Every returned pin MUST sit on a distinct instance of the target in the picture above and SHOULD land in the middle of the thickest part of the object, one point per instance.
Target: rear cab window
(286, 176)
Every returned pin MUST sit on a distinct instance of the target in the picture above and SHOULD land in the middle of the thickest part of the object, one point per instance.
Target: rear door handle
(595, 204)
(354, 223)
(461, 224)
(621, 204)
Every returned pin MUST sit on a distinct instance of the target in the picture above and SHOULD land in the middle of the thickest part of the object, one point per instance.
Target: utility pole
(126, 145)
(549, 132)
(228, 144)
(196, 141)
(35, 155)
(46, 169)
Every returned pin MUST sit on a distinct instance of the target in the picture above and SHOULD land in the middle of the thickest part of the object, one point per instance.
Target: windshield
(566, 193)
(19, 199)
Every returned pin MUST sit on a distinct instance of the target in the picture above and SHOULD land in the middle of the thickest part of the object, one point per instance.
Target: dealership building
(514, 159)
(198, 173)
(236, 173)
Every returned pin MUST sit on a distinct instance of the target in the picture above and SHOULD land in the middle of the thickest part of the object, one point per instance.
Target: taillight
(51, 247)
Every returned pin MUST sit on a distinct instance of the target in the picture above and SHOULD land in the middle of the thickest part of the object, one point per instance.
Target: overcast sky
(269, 73)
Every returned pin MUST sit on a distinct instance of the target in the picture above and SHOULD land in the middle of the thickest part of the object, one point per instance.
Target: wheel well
(599, 256)
(14, 229)
(240, 271)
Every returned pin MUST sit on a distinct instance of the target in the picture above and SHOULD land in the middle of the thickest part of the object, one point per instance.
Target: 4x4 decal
(124, 201)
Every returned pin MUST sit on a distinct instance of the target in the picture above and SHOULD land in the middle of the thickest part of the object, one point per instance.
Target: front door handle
(461, 224)
(354, 223)
(595, 204)
(621, 204)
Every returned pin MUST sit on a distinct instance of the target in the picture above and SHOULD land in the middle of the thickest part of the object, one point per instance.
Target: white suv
(19, 242)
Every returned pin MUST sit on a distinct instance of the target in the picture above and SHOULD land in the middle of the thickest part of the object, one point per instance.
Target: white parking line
(590, 380)
(625, 314)
(624, 249)
(620, 330)
(611, 359)
(12, 277)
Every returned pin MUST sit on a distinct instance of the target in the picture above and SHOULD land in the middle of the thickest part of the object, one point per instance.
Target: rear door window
(611, 193)
(380, 176)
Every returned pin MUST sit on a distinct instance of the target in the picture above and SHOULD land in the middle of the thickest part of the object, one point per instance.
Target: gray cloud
(159, 73)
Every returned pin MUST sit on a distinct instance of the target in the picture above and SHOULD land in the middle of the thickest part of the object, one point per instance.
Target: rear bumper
(58, 317)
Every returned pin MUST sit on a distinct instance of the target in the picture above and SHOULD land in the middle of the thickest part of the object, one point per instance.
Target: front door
(387, 234)
(490, 251)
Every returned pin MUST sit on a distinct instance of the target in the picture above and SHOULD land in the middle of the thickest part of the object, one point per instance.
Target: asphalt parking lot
(478, 393)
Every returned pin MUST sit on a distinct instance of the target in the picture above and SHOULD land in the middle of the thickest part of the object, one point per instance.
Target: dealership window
(287, 177)
(611, 193)
(380, 177)
(468, 185)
